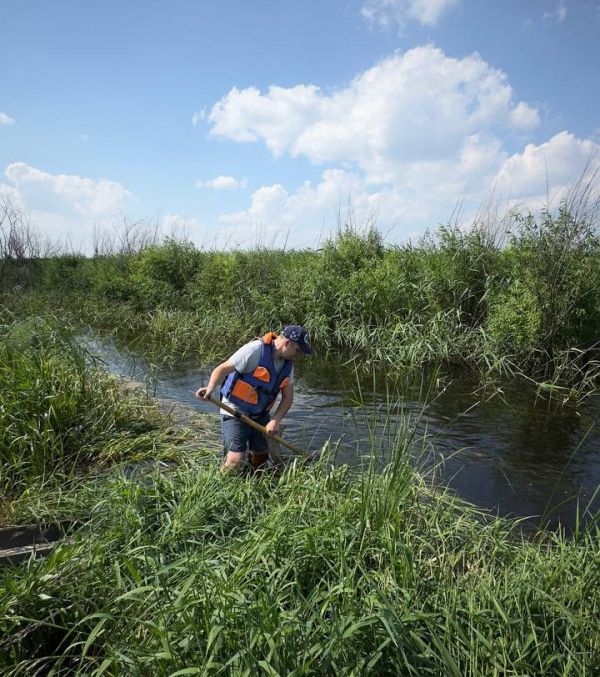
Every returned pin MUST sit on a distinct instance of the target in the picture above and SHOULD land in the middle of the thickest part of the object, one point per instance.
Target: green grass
(322, 571)
(319, 572)
(62, 415)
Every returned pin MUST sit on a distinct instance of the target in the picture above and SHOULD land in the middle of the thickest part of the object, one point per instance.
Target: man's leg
(259, 449)
(259, 460)
(234, 460)
(235, 442)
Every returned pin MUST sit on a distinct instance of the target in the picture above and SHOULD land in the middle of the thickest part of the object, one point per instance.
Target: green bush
(454, 296)
(457, 266)
(514, 322)
(162, 273)
(66, 273)
(556, 257)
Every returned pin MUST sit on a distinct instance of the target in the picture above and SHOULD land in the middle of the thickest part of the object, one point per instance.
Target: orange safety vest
(255, 392)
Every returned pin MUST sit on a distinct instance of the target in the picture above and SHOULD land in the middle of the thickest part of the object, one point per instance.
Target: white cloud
(223, 182)
(11, 194)
(246, 115)
(400, 12)
(314, 211)
(274, 203)
(420, 106)
(199, 116)
(410, 139)
(67, 193)
(558, 15)
(429, 194)
(544, 173)
(67, 206)
(6, 119)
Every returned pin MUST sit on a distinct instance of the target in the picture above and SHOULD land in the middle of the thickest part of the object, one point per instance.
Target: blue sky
(247, 123)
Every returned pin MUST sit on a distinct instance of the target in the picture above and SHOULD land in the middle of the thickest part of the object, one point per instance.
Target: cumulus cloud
(277, 118)
(400, 12)
(420, 106)
(223, 183)
(274, 204)
(6, 119)
(544, 173)
(68, 193)
(410, 138)
(540, 176)
(312, 212)
(67, 206)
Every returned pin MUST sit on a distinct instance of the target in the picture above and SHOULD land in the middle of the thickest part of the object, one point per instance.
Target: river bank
(64, 419)
(522, 298)
(318, 572)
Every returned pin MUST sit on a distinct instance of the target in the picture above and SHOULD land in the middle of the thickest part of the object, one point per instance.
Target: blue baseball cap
(297, 333)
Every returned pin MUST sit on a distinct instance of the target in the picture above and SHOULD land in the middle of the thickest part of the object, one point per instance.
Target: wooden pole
(256, 426)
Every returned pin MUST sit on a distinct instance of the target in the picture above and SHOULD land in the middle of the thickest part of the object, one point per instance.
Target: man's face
(290, 349)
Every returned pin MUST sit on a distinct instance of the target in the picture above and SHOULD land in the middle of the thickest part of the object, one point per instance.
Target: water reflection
(510, 452)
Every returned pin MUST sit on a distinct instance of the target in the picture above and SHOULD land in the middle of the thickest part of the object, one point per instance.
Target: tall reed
(529, 303)
(61, 412)
(320, 572)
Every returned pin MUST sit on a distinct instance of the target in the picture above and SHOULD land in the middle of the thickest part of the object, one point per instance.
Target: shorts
(240, 437)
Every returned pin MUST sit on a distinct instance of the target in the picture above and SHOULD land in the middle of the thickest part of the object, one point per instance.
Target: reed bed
(62, 415)
(321, 571)
(519, 296)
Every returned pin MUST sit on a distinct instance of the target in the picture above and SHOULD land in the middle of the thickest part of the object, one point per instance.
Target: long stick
(256, 426)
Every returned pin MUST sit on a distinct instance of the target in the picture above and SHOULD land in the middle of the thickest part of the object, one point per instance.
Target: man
(250, 381)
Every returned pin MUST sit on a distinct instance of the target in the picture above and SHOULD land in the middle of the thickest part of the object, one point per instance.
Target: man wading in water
(250, 381)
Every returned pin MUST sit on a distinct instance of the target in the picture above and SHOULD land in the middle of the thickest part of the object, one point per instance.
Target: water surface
(502, 448)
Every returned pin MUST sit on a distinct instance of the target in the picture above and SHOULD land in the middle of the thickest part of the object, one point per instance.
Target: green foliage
(322, 572)
(557, 257)
(213, 285)
(457, 296)
(457, 266)
(110, 278)
(514, 322)
(58, 412)
(161, 274)
(66, 272)
(351, 251)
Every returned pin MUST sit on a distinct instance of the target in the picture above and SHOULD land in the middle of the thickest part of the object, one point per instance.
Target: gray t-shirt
(246, 359)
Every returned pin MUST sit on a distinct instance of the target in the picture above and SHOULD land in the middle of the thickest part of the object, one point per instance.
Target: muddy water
(501, 448)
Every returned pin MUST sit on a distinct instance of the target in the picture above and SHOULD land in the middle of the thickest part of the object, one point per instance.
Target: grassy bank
(319, 572)
(62, 415)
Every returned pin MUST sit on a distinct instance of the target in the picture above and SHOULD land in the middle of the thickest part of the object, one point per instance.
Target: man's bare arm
(287, 398)
(218, 375)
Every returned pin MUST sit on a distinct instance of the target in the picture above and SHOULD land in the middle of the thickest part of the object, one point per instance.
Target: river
(502, 447)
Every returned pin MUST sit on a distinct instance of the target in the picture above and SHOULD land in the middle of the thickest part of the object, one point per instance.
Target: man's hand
(272, 427)
(219, 374)
(204, 393)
